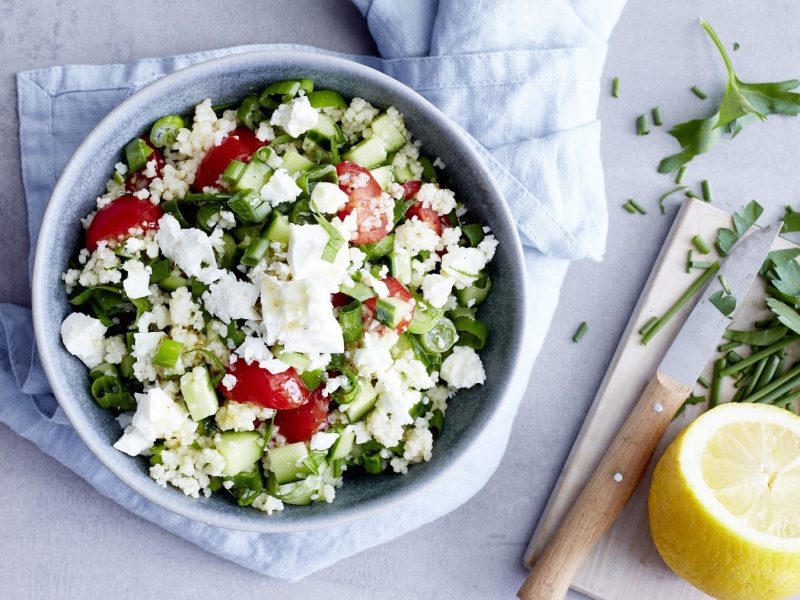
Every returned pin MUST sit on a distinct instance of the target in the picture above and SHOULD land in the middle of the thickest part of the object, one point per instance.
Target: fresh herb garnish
(724, 301)
(742, 221)
(698, 92)
(791, 221)
(666, 195)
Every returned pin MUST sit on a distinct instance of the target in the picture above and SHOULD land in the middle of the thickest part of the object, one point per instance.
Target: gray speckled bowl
(227, 79)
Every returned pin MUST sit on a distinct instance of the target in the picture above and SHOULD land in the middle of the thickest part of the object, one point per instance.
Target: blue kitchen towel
(523, 82)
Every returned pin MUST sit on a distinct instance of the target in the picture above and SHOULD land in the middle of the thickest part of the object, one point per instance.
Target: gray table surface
(60, 539)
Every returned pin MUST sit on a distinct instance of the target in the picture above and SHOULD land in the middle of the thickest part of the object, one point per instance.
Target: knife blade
(695, 342)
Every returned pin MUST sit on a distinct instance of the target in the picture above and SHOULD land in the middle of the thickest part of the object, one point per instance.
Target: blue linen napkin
(524, 83)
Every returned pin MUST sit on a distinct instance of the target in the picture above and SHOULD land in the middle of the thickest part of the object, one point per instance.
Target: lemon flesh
(725, 503)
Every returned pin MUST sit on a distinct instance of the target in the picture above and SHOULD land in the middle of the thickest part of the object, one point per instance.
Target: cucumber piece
(295, 162)
(474, 295)
(368, 153)
(400, 266)
(391, 311)
(365, 400)
(241, 451)
(357, 290)
(253, 177)
(402, 174)
(389, 133)
(199, 394)
(298, 493)
(315, 152)
(324, 131)
(278, 230)
(384, 176)
(343, 446)
(425, 317)
(294, 359)
(286, 462)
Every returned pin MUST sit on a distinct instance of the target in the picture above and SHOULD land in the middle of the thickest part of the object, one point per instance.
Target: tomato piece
(428, 216)
(138, 180)
(339, 300)
(240, 144)
(396, 290)
(365, 199)
(114, 220)
(299, 424)
(410, 188)
(280, 391)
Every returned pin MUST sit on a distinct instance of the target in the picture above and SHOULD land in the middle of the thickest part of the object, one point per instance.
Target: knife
(625, 461)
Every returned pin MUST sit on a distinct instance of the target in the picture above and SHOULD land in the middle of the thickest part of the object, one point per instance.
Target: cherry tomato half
(138, 180)
(240, 144)
(280, 391)
(365, 198)
(396, 290)
(114, 220)
(299, 424)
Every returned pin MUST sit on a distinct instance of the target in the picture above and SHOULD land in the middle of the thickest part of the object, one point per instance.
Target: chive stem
(615, 87)
(706, 188)
(777, 388)
(700, 245)
(637, 207)
(716, 383)
(698, 92)
(627, 206)
(786, 400)
(703, 382)
(649, 325)
(692, 195)
(666, 195)
(681, 173)
(757, 371)
(729, 346)
(696, 285)
(656, 114)
(757, 356)
(642, 125)
(580, 332)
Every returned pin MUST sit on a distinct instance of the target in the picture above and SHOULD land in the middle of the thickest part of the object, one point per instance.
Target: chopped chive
(690, 401)
(728, 346)
(167, 354)
(776, 388)
(733, 357)
(700, 245)
(757, 356)
(716, 383)
(629, 207)
(632, 206)
(681, 173)
(736, 46)
(689, 261)
(701, 264)
(642, 125)
(656, 114)
(699, 93)
(785, 401)
(666, 195)
(703, 382)
(724, 283)
(580, 332)
(696, 285)
(692, 195)
(651, 322)
(615, 87)
(706, 187)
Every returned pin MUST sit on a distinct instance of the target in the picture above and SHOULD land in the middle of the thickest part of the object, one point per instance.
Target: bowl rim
(99, 448)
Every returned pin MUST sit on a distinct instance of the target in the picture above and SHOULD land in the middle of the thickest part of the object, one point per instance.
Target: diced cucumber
(368, 153)
(199, 394)
(278, 230)
(294, 162)
(391, 135)
(402, 174)
(254, 175)
(365, 400)
(315, 152)
(241, 450)
(383, 175)
(294, 359)
(425, 317)
(298, 493)
(400, 266)
(357, 290)
(392, 311)
(286, 462)
(343, 446)
(324, 131)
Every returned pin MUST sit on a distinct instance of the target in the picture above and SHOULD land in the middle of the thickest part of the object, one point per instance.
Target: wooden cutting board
(625, 564)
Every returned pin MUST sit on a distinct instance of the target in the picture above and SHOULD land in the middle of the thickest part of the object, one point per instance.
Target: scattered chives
(692, 195)
(642, 125)
(700, 245)
(728, 346)
(666, 195)
(651, 322)
(699, 93)
(736, 46)
(615, 87)
(633, 207)
(716, 383)
(627, 206)
(757, 356)
(703, 382)
(656, 114)
(689, 261)
(706, 187)
(580, 332)
(681, 173)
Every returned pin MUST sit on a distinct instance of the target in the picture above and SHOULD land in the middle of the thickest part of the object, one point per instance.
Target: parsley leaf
(787, 281)
(791, 221)
(724, 302)
(742, 221)
(742, 103)
(785, 313)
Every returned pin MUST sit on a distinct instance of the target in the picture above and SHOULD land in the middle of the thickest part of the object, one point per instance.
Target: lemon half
(725, 503)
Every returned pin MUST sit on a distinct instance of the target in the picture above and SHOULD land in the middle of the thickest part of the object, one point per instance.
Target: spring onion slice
(439, 338)
(109, 392)
(249, 206)
(249, 113)
(136, 154)
(471, 332)
(700, 245)
(165, 130)
(255, 252)
(335, 239)
(168, 353)
(474, 233)
(350, 322)
(325, 98)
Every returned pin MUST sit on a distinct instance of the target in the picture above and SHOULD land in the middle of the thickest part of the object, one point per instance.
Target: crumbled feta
(463, 265)
(328, 197)
(306, 245)
(442, 200)
(418, 445)
(463, 368)
(265, 133)
(115, 349)
(229, 381)
(83, 337)
(157, 417)
(295, 117)
(184, 311)
(144, 348)
(137, 283)
(280, 188)
(190, 249)
(322, 440)
(268, 504)
(230, 298)
(253, 349)
(436, 289)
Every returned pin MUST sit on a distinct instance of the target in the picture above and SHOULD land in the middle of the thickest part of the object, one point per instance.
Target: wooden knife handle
(606, 493)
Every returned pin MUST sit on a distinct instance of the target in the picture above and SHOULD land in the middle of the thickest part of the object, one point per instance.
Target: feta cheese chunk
(157, 416)
(230, 298)
(137, 283)
(436, 289)
(306, 244)
(463, 265)
(463, 368)
(328, 197)
(322, 440)
(190, 249)
(144, 348)
(253, 349)
(83, 337)
(280, 188)
(295, 117)
(299, 316)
